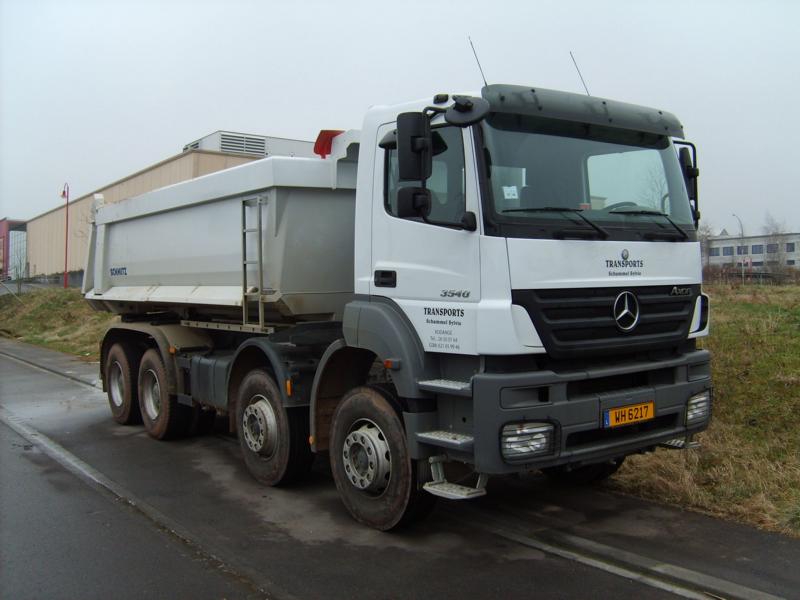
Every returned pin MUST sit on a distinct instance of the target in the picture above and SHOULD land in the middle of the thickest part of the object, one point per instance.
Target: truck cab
(547, 277)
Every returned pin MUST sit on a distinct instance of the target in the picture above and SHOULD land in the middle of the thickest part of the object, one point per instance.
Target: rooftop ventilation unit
(254, 145)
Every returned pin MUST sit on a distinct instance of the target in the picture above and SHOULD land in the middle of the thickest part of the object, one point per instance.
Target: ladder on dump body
(250, 293)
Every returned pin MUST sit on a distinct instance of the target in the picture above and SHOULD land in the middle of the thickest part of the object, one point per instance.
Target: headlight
(698, 409)
(520, 441)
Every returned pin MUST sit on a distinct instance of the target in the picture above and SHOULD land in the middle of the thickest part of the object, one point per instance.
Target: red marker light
(324, 142)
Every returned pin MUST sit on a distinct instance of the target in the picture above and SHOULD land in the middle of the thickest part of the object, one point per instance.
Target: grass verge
(55, 318)
(748, 468)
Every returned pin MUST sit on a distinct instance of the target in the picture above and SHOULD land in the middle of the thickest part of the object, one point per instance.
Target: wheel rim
(151, 391)
(367, 459)
(115, 384)
(260, 426)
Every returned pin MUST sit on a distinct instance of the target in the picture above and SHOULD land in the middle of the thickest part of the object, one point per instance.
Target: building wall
(45, 238)
(754, 250)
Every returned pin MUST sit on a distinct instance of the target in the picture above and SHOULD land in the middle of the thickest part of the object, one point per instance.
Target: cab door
(432, 272)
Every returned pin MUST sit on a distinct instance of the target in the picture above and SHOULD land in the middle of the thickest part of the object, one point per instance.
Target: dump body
(184, 247)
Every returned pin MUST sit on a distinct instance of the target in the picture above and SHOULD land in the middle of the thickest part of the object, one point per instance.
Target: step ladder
(452, 491)
(252, 293)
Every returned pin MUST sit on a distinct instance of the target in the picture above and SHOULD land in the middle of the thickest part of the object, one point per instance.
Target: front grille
(592, 436)
(580, 322)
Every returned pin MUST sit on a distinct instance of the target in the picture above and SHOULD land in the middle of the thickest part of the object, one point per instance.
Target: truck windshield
(558, 179)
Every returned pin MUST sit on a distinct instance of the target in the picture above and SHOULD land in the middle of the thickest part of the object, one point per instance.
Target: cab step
(686, 443)
(447, 386)
(452, 491)
(447, 439)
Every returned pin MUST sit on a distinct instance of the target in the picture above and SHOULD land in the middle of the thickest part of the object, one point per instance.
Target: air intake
(254, 145)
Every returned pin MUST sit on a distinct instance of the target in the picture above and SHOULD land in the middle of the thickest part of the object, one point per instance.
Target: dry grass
(748, 467)
(55, 318)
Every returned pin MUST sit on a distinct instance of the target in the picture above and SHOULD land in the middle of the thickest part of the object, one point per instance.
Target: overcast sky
(91, 91)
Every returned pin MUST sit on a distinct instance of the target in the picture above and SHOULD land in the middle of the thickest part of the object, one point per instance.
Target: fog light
(520, 441)
(698, 409)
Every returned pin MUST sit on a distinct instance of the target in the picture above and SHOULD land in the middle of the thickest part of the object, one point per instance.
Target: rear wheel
(120, 371)
(163, 417)
(586, 474)
(377, 481)
(273, 438)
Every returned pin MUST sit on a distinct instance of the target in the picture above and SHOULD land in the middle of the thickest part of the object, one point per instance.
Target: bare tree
(654, 191)
(704, 234)
(775, 231)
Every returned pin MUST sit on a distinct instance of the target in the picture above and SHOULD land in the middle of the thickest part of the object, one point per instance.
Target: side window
(447, 180)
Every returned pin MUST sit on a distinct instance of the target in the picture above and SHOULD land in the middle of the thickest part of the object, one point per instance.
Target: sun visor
(566, 106)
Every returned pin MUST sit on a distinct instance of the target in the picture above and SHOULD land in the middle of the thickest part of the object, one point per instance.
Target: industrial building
(759, 253)
(214, 152)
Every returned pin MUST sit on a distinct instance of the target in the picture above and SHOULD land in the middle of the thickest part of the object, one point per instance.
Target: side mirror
(413, 202)
(414, 146)
(690, 171)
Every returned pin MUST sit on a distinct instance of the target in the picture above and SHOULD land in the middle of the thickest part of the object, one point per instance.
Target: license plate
(626, 415)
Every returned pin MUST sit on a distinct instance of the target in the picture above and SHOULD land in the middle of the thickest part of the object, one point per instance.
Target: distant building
(12, 248)
(759, 253)
(214, 152)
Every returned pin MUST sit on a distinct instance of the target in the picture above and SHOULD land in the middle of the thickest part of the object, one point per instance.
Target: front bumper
(574, 402)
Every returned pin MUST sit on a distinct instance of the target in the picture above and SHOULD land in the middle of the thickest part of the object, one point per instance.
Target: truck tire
(379, 484)
(120, 370)
(163, 417)
(273, 439)
(586, 474)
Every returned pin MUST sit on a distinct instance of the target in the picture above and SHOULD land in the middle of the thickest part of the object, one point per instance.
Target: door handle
(386, 279)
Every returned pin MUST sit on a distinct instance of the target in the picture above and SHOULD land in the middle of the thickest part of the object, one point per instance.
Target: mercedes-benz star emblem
(626, 311)
(625, 254)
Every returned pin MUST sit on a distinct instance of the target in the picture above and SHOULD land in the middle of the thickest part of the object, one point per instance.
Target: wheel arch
(340, 369)
(167, 339)
(252, 354)
(380, 326)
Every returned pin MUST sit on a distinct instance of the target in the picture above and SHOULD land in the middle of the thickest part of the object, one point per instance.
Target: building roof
(733, 238)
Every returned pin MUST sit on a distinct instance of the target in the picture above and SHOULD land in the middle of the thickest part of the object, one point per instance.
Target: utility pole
(741, 238)
(65, 195)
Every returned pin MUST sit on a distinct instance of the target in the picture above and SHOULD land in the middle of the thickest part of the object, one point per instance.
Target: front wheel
(377, 481)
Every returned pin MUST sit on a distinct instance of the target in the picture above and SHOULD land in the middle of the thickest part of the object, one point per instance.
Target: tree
(704, 234)
(775, 230)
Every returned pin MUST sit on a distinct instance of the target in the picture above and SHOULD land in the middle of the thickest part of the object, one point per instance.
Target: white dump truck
(472, 285)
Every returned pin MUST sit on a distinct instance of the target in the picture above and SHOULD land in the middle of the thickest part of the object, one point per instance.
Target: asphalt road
(184, 519)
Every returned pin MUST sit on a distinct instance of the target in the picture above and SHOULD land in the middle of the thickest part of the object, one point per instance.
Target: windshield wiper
(562, 209)
(655, 213)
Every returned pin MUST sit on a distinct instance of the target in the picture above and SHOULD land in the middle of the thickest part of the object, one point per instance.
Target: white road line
(96, 385)
(672, 578)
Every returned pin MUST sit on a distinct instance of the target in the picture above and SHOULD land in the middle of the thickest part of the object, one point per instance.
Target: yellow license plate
(626, 415)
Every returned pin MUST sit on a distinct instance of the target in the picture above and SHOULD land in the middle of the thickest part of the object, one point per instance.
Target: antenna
(574, 62)
(477, 61)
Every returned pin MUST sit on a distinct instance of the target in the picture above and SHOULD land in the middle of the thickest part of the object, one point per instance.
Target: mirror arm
(432, 111)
